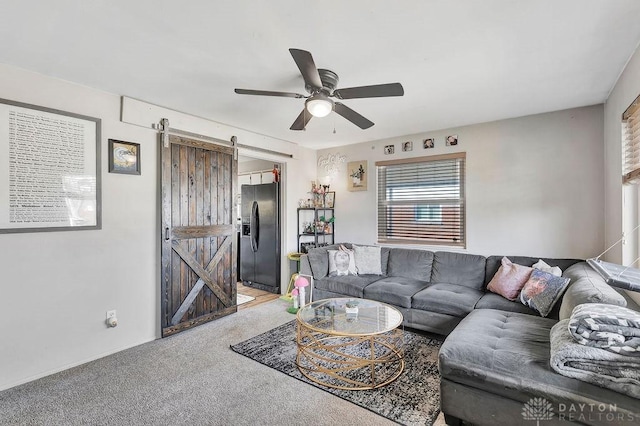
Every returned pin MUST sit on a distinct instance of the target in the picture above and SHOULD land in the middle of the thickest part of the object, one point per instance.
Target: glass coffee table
(350, 343)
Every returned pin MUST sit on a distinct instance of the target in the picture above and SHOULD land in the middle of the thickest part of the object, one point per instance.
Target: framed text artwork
(49, 169)
(357, 176)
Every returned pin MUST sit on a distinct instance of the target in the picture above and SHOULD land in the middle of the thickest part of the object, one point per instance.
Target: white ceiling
(460, 62)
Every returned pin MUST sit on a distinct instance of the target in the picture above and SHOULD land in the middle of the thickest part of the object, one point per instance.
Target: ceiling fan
(321, 85)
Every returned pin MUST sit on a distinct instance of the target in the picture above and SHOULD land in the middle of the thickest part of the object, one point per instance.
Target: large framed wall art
(49, 169)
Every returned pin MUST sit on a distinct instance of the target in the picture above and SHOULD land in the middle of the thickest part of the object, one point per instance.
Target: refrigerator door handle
(255, 227)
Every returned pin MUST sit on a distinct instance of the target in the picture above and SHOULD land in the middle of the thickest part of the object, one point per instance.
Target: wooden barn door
(198, 233)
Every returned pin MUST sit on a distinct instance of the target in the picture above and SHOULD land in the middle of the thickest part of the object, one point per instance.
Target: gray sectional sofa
(495, 358)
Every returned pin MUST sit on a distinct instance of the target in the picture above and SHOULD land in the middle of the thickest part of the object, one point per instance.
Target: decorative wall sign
(49, 169)
(357, 176)
(124, 157)
(407, 146)
(331, 162)
(389, 149)
(452, 140)
(428, 143)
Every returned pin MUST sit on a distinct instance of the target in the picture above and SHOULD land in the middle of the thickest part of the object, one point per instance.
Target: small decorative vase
(351, 309)
(302, 296)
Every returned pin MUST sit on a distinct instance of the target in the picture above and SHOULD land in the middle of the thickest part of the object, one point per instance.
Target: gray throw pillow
(368, 260)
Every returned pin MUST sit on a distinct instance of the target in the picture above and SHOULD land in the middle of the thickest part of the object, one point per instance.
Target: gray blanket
(594, 365)
(609, 327)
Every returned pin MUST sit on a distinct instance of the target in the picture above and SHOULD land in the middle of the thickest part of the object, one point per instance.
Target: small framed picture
(124, 157)
(389, 149)
(452, 140)
(407, 146)
(428, 143)
(357, 176)
(330, 200)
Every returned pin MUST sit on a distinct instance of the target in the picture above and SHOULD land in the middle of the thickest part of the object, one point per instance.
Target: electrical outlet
(111, 314)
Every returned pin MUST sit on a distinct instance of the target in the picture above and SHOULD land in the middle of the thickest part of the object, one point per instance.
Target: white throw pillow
(341, 262)
(368, 260)
(544, 266)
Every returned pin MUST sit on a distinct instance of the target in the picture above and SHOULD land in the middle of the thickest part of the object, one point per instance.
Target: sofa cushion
(493, 263)
(509, 279)
(410, 263)
(394, 290)
(587, 286)
(542, 291)
(368, 259)
(349, 285)
(507, 354)
(445, 298)
(459, 268)
(384, 259)
(495, 301)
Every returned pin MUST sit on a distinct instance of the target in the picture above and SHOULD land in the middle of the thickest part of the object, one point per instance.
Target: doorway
(259, 207)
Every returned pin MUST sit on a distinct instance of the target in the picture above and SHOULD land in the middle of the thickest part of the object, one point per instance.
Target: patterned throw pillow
(341, 262)
(542, 291)
(509, 279)
(368, 259)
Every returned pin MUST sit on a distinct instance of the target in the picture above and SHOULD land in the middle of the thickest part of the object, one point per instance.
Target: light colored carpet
(190, 378)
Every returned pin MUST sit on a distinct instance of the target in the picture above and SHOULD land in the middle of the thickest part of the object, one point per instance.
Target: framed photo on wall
(124, 157)
(357, 176)
(330, 199)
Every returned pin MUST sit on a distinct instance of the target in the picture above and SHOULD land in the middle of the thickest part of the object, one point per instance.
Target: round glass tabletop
(350, 316)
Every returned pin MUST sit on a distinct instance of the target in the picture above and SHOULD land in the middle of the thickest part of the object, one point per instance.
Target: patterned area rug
(413, 399)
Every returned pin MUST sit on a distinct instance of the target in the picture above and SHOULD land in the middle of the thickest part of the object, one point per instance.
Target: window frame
(631, 143)
(460, 200)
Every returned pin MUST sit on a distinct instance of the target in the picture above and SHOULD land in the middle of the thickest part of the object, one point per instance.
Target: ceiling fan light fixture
(319, 105)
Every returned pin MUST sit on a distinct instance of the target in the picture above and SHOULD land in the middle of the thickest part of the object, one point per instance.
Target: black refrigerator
(260, 236)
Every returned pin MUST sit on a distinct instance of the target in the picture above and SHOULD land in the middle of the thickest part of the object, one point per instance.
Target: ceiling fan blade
(307, 67)
(352, 116)
(301, 121)
(376, 91)
(268, 93)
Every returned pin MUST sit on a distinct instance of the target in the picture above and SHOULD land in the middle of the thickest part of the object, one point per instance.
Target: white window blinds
(631, 143)
(421, 200)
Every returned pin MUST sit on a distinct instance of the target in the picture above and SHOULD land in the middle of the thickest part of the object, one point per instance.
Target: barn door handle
(166, 234)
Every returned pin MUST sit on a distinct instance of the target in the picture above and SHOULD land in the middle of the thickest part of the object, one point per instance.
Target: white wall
(621, 203)
(57, 286)
(534, 184)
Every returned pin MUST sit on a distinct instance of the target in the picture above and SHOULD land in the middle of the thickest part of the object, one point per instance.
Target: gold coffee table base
(350, 362)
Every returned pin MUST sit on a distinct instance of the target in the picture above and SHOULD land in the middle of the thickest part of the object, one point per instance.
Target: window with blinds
(421, 200)
(631, 143)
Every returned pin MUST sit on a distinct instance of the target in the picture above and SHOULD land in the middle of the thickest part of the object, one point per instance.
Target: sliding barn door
(198, 233)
